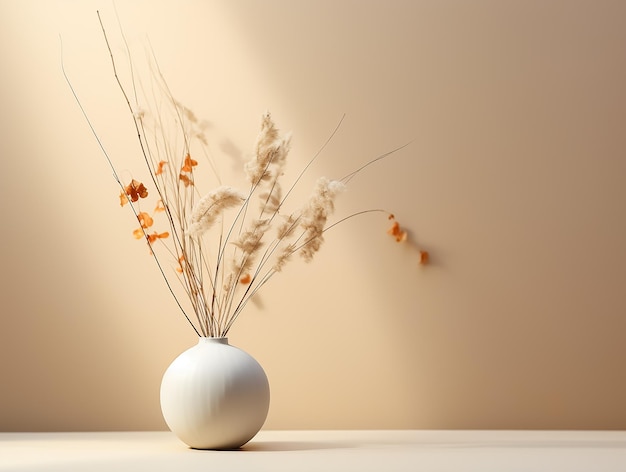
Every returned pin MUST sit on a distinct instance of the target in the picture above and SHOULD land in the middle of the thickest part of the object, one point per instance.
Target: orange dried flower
(138, 233)
(189, 164)
(134, 191)
(154, 236)
(186, 180)
(160, 167)
(145, 220)
(179, 269)
(397, 232)
(159, 206)
(245, 279)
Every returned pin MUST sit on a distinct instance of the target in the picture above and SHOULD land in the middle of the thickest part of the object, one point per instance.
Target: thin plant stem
(346, 178)
(144, 153)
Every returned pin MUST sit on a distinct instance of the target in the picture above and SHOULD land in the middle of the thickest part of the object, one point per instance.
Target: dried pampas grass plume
(315, 215)
(211, 206)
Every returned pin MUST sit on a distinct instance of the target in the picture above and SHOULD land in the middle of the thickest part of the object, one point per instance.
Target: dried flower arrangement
(253, 236)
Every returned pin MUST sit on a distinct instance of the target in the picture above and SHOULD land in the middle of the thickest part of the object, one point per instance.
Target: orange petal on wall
(423, 257)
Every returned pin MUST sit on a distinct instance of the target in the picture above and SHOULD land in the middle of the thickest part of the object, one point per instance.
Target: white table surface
(302, 451)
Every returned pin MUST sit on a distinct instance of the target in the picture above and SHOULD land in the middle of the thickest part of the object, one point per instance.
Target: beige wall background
(513, 181)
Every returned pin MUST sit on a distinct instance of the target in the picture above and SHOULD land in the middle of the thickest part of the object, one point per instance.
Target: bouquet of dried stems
(223, 246)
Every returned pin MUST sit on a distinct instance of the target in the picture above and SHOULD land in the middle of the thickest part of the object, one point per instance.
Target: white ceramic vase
(215, 396)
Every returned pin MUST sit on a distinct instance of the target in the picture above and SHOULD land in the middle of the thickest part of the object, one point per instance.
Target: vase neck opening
(211, 339)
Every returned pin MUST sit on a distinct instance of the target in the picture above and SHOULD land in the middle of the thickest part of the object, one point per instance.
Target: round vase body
(215, 396)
